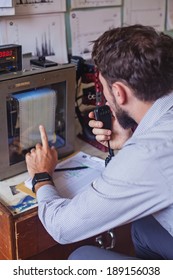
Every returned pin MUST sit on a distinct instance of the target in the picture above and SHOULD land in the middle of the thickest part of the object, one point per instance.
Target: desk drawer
(24, 237)
(31, 237)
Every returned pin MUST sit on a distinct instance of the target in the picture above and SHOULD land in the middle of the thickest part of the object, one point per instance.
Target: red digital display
(6, 53)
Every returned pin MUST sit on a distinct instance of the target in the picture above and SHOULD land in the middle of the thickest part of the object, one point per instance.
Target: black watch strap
(40, 177)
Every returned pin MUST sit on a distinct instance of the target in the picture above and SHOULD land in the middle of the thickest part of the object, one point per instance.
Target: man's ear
(120, 92)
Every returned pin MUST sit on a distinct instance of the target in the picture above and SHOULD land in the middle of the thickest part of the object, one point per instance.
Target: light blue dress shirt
(137, 182)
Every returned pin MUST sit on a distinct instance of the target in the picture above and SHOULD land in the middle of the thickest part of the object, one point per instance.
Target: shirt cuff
(47, 192)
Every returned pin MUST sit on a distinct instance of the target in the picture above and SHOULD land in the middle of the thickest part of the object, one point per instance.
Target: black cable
(110, 155)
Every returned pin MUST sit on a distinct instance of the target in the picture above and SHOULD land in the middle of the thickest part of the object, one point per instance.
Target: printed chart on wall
(94, 3)
(145, 12)
(23, 7)
(83, 34)
(6, 3)
(41, 35)
(6, 8)
(169, 23)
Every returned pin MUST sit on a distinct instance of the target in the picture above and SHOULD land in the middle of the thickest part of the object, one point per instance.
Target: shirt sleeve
(132, 186)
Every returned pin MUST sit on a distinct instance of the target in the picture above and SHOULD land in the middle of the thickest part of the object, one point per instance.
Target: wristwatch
(40, 177)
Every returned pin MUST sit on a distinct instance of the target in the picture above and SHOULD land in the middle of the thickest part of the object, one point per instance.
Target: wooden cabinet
(23, 237)
(7, 234)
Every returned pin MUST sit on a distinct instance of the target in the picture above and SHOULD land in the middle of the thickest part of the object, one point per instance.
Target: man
(135, 65)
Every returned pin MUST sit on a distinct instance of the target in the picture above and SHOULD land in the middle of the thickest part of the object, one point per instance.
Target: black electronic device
(103, 114)
(92, 96)
(78, 61)
(10, 58)
(40, 177)
(43, 62)
(29, 98)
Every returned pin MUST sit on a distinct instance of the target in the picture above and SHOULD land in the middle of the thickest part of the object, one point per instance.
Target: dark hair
(138, 56)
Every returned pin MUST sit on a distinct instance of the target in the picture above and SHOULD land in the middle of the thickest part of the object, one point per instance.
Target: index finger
(44, 138)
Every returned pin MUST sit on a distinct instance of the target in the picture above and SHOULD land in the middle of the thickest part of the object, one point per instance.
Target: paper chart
(98, 21)
(145, 12)
(37, 33)
(6, 3)
(94, 3)
(169, 21)
(24, 7)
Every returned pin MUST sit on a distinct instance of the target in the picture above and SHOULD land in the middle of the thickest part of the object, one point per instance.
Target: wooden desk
(23, 237)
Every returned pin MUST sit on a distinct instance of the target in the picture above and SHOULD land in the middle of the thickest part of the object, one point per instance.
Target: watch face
(42, 176)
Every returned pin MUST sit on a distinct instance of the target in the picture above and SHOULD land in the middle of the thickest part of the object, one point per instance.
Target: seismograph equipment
(41, 96)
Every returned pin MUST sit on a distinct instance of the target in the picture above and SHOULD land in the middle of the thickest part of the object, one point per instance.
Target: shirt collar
(157, 110)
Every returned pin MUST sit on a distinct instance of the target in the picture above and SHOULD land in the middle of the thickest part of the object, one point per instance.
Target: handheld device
(103, 114)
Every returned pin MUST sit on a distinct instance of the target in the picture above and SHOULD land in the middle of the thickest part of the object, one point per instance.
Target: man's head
(137, 56)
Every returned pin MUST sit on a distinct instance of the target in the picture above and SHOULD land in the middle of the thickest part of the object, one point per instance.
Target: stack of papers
(70, 182)
(16, 193)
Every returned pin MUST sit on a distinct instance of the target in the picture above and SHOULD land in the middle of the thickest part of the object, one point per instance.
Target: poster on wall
(145, 12)
(169, 18)
(6, 8)
(24, 7)
(7, 11)
(6, 3)
(83, 34)
(94, 3)
(48, 36)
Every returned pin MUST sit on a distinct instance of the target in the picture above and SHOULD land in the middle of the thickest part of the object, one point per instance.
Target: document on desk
(71, 182)
(74, 180)
(14, 198)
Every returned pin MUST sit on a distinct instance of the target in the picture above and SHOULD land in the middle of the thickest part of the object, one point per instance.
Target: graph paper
(83, 34)
(94, 3)
(24, 7)
(37, 33)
